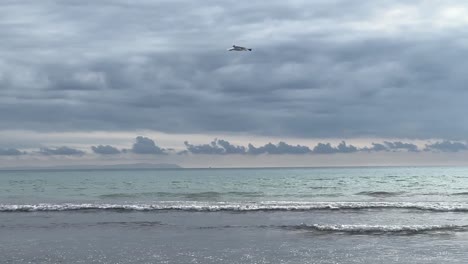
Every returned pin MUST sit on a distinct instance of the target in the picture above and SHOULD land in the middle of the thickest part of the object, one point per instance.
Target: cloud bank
(147, 146)
(223, 147)
(319, 69)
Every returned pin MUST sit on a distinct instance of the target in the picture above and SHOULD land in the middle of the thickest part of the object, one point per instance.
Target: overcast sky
(81, 74)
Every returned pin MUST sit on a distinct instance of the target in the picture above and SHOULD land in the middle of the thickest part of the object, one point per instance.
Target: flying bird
(239, 48)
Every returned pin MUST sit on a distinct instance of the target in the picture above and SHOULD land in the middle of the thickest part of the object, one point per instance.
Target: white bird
(239, 48)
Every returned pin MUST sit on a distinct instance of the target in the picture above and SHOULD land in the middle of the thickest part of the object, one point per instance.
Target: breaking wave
(239, 207)
(381, 229)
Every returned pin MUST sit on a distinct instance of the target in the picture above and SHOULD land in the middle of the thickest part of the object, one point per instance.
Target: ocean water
(316, 215)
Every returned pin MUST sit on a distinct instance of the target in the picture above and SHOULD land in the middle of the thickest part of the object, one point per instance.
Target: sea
(281, 215)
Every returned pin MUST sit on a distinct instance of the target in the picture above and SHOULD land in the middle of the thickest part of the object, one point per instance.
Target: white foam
(370, 229)
(241, 206)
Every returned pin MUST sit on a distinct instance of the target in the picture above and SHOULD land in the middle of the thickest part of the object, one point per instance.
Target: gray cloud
(211, 148)
(343, 148)
(392, 146)
(144, 145)
(280, 148)
(66, 151)
(446, 146)
(105, 150)
(326, 148)
(220, 146)
(376, 147)
(215, 147)
(401, 146)
(223, 147)
(229, 148)
(317, 69)
(11, 152)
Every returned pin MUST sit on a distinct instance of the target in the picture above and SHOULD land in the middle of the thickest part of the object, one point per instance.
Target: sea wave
(239, 207)
(460, 194)
(191, 195)
(381, 194)
(381, 229)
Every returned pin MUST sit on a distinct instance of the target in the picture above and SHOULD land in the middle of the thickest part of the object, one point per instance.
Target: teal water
(323, 184)
(317, 215)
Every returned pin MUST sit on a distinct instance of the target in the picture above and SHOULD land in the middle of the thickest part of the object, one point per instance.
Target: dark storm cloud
(144, 145)
(318, 69)
(446, 146)
(105, 150)
(66, 151)
(11, 152)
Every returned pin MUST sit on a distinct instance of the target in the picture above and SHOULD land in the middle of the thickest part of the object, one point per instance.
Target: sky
(328, 82)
